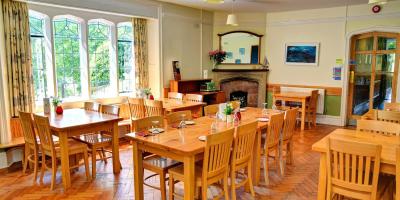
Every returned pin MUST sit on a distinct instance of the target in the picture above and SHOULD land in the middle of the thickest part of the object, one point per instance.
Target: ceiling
(266, 5)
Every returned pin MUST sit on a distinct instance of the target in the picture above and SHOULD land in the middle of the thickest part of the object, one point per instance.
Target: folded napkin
(143, 133)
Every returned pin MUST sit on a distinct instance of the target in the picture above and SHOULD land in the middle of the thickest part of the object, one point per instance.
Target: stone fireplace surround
(254, 83)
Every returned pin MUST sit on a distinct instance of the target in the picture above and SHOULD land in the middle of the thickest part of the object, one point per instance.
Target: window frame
(133, 92)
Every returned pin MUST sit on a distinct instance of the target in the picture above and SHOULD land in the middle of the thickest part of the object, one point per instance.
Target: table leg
(115, 149)
(257, 158)
(138, 171)
(65, 170)
(322, 177)
(189, 172)
(303, 113)
(282, 163)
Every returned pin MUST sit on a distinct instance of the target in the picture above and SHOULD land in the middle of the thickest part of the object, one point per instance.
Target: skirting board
(330, 120)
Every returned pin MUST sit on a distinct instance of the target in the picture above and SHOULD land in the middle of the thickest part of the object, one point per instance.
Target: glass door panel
(386, 43)
(384, 70)
(365, 44)
(361, 83)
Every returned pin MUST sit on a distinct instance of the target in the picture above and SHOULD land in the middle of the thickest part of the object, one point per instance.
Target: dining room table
(300, 97)
(388, 155)
(174, 105)
(74, 122)
(184, 145)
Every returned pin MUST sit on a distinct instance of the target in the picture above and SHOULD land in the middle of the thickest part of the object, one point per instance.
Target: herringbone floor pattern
(299, 182)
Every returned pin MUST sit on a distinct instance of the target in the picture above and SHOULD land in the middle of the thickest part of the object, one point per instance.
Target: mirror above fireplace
(241, 47)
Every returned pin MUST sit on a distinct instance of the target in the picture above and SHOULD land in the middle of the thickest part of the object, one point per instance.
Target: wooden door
(373, 72)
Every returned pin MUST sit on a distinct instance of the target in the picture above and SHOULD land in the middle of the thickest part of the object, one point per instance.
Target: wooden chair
(388, 116)
(152, 162)
(52, 150)
(176, 117)
(379, 127)
(353, 169)
(92, 106)
(194, 97)
(97, 142)
(175, 95)
(241, 157)
(213, 170)
(211, 109)
(392, 107)
(311, 109)
(153, 108)
(272, 141)
(31, 145)
(136, 107)
(397, 182)
(289, 126)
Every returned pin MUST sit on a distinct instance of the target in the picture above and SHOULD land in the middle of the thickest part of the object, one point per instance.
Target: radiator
(321, 96)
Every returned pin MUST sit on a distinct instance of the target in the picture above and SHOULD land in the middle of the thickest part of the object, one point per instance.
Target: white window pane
(126, 70)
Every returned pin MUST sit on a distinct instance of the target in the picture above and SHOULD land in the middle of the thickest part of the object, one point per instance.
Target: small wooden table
(183, 145)
(173, 105)
(301, 97)
(388, 155)
(75, 122)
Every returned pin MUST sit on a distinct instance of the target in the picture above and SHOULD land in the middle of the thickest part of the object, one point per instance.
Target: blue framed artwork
(302, 54)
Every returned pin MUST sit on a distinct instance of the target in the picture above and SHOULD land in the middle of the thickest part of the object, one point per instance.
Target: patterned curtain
(141, 57)
(18, 56)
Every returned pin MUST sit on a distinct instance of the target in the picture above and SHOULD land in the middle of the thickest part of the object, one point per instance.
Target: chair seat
(74, 147)
(94, 138)
(178, 173)
(159, 164)
(56, 139)
(126, 122)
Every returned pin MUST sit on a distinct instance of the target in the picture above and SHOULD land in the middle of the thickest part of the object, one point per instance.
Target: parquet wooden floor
(299, 182)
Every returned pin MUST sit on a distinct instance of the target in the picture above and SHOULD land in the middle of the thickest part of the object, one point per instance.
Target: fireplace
(239, 96)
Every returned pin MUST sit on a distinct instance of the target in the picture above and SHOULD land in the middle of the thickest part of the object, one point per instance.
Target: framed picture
(302, 54)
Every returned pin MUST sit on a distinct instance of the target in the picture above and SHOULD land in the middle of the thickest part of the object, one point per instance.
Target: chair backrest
(289, 123)
(147, 122)
(388, 116)
(92, 106)
(217, 155)
(28, 129)
(353, 168)
(243, 143)
(235, 104)
(379, 127)
(211, 109)
(44, 132)
(392, 106)
(177, 116)
(153, 108)
(136, 107)
(313, 100)
(175, 95)
(194, 97)
(274, 129)
(110, 110)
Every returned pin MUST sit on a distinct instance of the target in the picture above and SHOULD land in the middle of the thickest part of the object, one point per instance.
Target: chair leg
(204, 191)
(26, 154)
(104, 155)
(43, 168)
(277, 161)
(35, 165)
(171, 187)
(290, 151)
(163, 188)
(86, 161)
(250, 178)
(266, 169)
(233, 184)
(315, 118)
(226, 187)
(94, 163)
(53, 172)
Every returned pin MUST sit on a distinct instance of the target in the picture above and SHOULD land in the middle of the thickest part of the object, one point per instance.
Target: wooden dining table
(74, 122)
(173, 105)
(183, 145)
(388, 155)
(301, 97)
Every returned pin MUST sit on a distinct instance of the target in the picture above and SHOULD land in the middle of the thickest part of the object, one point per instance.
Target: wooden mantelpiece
(240, 70)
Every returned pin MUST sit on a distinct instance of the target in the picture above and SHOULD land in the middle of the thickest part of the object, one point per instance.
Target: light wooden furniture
(398, 173)
(353, 169)
(176, 117)
(136, 107)
(241, 156)
(92, 106)
(194, 97)
(388, 154)
(175, 95)
(52, 150)
(379, 127)
(74, 122)
(215, 165)
(288, 130)
(294, 97)
(31, 150)
(392, 107)
(196, 86)
(272, 141)
(171, 105)
(388, 116)
(184, 146)
(311, 109)
(153, 108)
(211, 110)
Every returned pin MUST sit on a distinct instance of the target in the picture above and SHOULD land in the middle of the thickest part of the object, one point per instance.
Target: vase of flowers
(228, 111)
(217, 56)
(57, 105)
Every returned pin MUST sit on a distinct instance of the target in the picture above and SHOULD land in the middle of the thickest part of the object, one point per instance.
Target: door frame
(345, 84)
